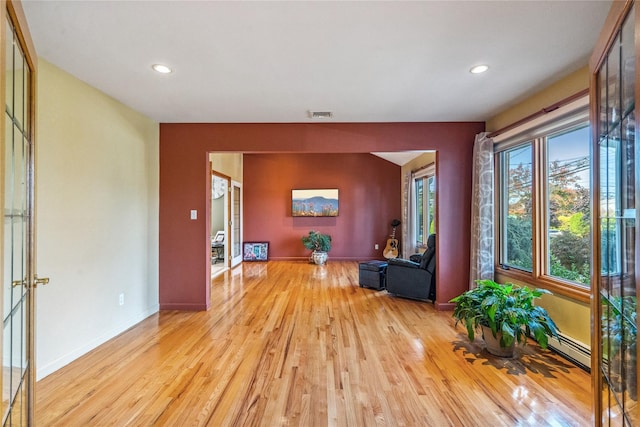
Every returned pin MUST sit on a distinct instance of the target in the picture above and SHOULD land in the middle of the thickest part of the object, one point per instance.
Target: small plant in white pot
(505, 314)
(320, 244)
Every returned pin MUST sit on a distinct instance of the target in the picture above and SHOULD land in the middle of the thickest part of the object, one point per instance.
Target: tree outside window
(519, 190)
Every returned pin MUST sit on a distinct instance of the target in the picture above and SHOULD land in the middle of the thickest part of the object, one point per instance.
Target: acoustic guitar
(391, 250)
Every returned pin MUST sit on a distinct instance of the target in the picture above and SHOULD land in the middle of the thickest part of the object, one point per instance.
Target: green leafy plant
(619, 339)
(576, 224)
(317, 241)
(519, 234)
(571, 256)
(505, 308)
(619, 324)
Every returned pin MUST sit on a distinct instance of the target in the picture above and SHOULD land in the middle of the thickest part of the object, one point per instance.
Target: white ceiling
(400, 158)
(271, 61)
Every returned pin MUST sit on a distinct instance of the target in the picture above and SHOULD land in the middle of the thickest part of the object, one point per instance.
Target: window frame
(571, 116)
(503, 205)
(424, 175)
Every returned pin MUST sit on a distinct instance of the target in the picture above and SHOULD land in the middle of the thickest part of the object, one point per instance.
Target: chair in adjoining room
(414, 279)
(217, 247)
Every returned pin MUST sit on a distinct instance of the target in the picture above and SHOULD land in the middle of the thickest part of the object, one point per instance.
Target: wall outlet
(121, 299)
(377, 247)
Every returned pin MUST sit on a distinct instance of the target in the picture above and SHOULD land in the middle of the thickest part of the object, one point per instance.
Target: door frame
(12, 10)
(234, 261)
(227, 213)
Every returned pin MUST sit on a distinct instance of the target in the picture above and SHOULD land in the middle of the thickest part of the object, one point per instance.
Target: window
(431, 205)
(424, 215)
(568, 205)
(544, 204)
(517, 198)
(419, 213)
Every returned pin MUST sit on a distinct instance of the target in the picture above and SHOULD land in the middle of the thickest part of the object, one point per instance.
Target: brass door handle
(36, 281)
(40, 281)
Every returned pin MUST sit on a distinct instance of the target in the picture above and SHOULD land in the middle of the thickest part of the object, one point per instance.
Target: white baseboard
(572, 349)
(51, 367)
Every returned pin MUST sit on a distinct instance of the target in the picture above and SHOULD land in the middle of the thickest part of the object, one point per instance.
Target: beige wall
(572, 317)
(218, 207)
(229, 164)
(422, 160)
(570, 85)
(97, 217)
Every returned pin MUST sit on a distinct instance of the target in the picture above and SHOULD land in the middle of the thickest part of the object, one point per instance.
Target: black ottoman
(372, 274)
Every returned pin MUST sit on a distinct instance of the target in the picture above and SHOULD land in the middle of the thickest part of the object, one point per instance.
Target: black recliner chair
(414, 279)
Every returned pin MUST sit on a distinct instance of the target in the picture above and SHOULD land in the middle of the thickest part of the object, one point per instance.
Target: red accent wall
(370, 197)
(185, 185)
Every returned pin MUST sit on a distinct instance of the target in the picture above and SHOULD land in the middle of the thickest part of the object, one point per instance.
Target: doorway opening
(225, 211)
(220, 185)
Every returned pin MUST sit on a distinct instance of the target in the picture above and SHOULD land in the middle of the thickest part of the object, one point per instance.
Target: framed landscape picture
(314, 202)
(255, 251)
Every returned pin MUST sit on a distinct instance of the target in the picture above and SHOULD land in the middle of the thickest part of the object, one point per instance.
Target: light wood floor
(289, 343)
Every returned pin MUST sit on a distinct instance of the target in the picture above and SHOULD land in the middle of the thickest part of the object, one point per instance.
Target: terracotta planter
(493, 343)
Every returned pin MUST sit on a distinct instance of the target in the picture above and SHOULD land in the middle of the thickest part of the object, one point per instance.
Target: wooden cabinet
(616, 176)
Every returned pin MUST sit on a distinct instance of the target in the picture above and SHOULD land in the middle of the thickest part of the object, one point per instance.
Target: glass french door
(19, 280)
(616, 172)
(236, 223)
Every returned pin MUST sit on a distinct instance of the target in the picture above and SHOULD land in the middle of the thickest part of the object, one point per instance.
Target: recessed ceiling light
(162, 69)
(479, 69)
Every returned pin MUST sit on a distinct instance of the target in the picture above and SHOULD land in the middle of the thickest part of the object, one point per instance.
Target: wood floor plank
(293, 344)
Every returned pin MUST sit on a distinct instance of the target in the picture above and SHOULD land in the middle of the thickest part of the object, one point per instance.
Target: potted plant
(505, 314)
(320, 244)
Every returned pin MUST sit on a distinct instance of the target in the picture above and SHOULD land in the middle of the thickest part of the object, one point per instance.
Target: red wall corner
(369, 192)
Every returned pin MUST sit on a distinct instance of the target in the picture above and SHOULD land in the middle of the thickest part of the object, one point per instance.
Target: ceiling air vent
(320, 114)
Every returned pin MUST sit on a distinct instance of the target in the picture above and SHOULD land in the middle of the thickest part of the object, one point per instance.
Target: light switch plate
(194, 214)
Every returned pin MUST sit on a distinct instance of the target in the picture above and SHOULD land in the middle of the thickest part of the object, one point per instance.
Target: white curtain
(482, 211)
(407, 225)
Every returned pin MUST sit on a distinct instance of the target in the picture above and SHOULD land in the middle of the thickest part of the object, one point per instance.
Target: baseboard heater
(573, 350)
